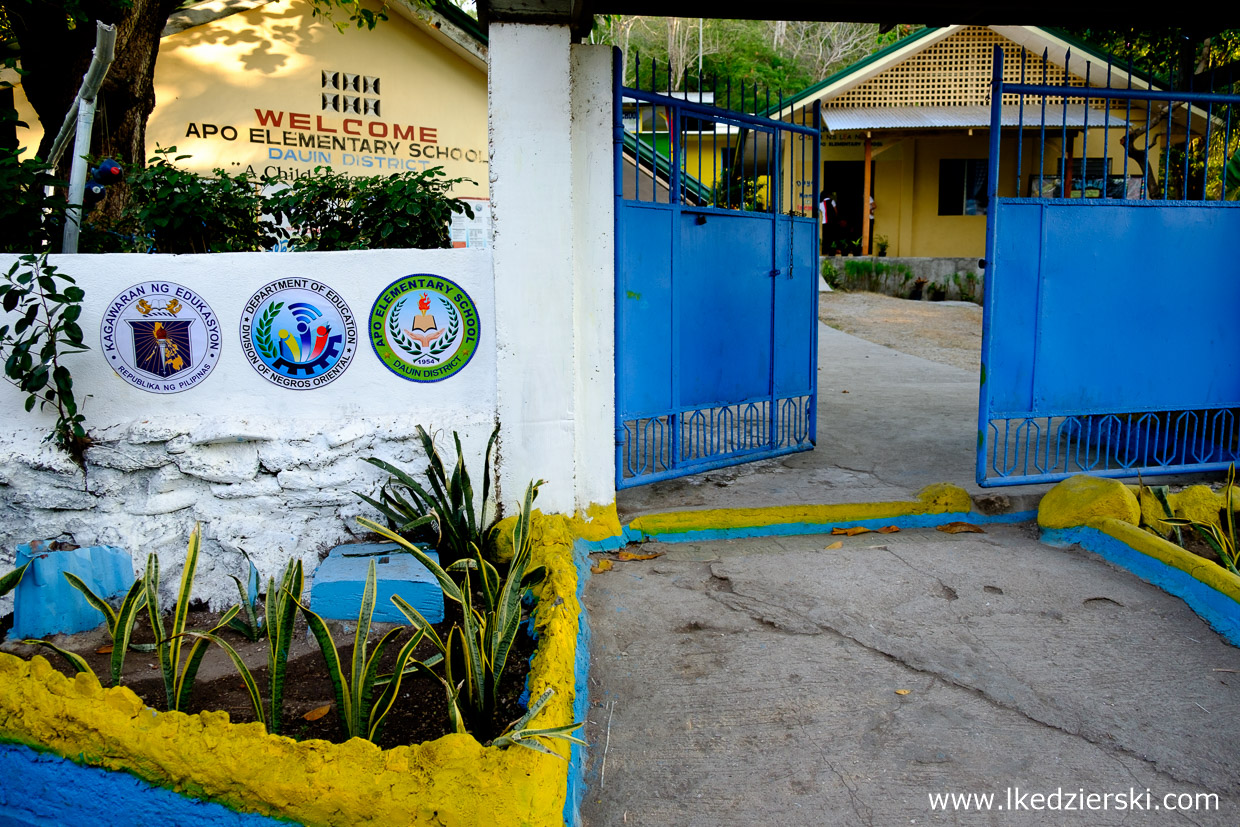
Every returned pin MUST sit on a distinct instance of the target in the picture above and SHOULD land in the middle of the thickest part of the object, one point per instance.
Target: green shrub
(443, 516)
(332, 211)
(830, 274)
(475, 651)
(45, 330)
(172, 210)
(31, 221)
(361, 714)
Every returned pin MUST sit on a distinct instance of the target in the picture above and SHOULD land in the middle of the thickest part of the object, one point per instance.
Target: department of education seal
(424, 328)
(160, 337)
(298, 333)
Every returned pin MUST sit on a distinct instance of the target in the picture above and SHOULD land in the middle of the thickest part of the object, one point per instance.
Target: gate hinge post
(619, 436)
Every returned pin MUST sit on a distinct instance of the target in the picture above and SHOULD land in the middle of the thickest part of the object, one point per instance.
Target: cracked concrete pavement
(755, 682)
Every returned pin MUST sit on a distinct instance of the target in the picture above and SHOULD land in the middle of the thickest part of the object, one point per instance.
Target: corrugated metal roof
(957, 117)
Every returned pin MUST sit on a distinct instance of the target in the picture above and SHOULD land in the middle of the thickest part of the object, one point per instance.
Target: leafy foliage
(178, 677)
(120, 621)
(444, 515)
(45, 331)
(281, 608)
(1221, 535)
(172, 210)
(281, 611)
(247, 623)
(476, 650)
(10, 580)
(75, 660)
(361, 714)
(332, 211)
(30, 219)
(519, 734)
(753, 55)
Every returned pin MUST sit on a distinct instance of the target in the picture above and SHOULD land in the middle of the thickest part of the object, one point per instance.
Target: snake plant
(361, 714)
(476, 650)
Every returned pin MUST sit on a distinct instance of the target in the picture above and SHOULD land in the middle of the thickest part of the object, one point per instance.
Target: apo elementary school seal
(160, 337)
(298, 333)
(424, 327)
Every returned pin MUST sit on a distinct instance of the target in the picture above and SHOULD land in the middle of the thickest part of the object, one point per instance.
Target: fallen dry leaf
(891, 529)
(103, 650)
(602, 566)
(961, 528)
(851, 532)
(835, 545)
(903, 691)
(632, 555)
(317, 712)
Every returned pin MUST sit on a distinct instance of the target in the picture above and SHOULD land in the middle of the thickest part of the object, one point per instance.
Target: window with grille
(962, 186)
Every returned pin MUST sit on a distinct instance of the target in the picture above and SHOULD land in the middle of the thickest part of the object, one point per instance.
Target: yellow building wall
(245, 94)
(947, 235)
(703, 156)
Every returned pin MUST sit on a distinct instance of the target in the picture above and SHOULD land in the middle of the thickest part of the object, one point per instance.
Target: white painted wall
(594, 262)
(265, 469)
(273, 471)
(551, 189)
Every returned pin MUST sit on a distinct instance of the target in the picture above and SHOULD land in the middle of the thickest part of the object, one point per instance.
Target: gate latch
(773, 273)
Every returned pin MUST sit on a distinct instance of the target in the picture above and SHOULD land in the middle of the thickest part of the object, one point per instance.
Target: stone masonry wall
(273, 493)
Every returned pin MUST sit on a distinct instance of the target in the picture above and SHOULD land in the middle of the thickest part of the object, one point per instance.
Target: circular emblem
(160, 337)
(298, 333)
(424, 328)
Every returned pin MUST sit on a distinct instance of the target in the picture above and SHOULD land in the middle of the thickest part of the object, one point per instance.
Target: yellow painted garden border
(453, 780)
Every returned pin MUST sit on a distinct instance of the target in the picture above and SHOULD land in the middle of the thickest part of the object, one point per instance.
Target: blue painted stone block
(340, 579)
(44, 602)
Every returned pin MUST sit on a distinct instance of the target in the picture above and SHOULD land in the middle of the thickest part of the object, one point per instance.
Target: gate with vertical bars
(1111, 293)
(716, 281)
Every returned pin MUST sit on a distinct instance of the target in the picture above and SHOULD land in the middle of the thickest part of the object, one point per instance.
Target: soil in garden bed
(420, 713)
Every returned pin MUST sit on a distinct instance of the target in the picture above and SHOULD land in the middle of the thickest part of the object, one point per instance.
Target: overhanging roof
(855, 119)
(1036, 39)
(444, 22)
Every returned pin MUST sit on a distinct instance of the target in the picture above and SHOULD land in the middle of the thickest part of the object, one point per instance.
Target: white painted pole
(77, 175)
(80, 120)
(105, 52)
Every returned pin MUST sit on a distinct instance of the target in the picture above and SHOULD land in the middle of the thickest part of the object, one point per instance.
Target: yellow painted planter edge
(453, 780)
(940, 498)
(1199, 568)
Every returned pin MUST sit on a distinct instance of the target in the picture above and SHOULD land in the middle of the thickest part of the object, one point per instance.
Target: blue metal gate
(716, 284)
(1112, 286)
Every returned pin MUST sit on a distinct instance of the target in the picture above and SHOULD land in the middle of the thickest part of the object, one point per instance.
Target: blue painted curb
(1217, 609)
(45, 790)
(790, 529)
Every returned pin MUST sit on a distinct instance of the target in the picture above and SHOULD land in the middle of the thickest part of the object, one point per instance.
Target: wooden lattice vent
(954, 72)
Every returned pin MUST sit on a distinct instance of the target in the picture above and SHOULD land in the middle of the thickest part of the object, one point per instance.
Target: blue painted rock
(44, 602)
(340, 579)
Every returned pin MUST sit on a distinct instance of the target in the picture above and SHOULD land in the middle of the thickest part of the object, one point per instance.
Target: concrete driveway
(773, 682)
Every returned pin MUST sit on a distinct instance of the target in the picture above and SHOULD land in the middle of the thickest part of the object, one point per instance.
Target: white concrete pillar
(594, 258)
(552, 227)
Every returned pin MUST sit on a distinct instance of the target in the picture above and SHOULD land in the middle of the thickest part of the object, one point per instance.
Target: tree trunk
(55, 57)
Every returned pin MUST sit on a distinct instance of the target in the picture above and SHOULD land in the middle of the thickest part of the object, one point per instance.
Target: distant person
(830, 220)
